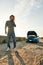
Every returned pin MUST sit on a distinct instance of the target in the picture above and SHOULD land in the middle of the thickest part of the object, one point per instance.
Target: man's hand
(15, 25)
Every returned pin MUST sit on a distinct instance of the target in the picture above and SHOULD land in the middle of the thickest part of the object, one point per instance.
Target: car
(32, 37)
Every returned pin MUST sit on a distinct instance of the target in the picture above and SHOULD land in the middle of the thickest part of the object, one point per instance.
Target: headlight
(35, 38)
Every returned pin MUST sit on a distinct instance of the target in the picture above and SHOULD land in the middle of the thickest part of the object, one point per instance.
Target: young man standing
(10, 24)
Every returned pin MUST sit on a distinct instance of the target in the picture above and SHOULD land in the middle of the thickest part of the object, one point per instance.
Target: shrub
(4, 41)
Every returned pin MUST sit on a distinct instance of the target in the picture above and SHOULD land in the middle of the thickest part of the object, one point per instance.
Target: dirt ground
(27, 54)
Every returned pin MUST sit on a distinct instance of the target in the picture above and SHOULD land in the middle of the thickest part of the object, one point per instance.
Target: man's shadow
(20, 58)
(10, 58)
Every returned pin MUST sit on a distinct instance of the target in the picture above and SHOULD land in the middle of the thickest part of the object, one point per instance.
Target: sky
(28, 14)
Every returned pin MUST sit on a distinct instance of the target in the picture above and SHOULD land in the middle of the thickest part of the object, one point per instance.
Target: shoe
(8, 49)
(15, 49)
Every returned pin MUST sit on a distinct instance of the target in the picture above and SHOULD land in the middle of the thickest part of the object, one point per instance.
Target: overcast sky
(28, 13)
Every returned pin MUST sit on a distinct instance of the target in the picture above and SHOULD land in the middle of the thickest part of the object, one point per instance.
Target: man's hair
(12, 16)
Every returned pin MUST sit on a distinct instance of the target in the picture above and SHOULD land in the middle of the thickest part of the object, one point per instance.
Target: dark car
(32, 37)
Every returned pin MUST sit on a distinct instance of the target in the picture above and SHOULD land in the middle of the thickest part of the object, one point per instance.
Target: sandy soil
(27, 54)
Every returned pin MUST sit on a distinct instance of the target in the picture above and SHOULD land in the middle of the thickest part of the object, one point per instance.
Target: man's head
(12, 18)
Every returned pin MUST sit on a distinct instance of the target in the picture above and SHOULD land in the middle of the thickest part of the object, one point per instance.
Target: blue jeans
(9, 35)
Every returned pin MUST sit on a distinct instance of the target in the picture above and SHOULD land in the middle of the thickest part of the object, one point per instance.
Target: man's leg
(8, 41)
(14, 39)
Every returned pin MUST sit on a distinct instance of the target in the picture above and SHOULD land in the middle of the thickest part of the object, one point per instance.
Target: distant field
(41, 40)
(3, 39)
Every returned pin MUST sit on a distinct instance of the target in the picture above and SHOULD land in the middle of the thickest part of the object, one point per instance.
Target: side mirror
(37, 36)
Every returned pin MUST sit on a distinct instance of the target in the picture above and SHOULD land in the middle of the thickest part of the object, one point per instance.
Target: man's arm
(6, 27)
(14, 24)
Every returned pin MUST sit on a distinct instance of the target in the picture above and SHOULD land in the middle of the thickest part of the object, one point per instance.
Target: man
(10, 24)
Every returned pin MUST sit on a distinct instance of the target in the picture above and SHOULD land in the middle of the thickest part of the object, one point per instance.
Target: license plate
(30, 40)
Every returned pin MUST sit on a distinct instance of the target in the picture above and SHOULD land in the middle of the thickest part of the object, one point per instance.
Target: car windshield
(32, 33)
(32, 36)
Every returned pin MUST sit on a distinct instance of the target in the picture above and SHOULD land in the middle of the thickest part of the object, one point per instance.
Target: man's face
(12, 18)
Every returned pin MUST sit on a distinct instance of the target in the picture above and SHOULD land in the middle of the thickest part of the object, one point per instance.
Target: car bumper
(32, 40)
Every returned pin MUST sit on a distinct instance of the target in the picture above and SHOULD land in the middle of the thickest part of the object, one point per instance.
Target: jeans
(9, 35)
